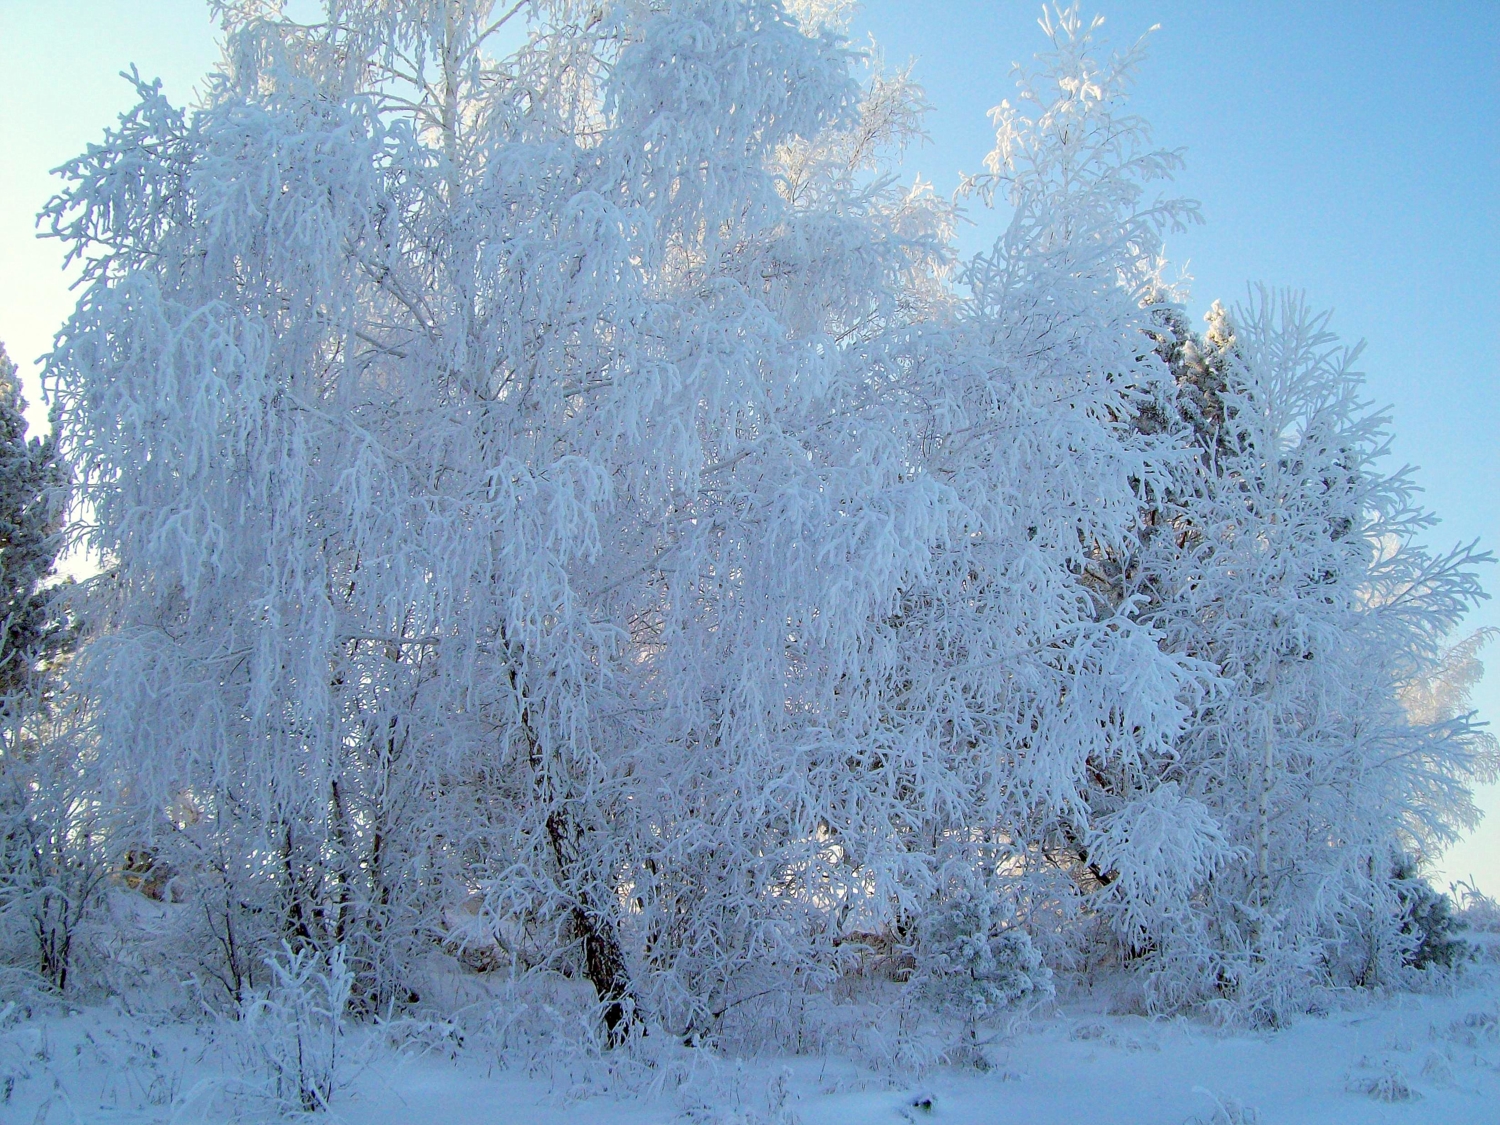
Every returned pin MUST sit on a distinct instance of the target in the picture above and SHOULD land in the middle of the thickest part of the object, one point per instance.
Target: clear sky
(1350, 149)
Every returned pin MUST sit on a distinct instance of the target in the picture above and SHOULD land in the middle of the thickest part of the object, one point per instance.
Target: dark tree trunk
(593, 920)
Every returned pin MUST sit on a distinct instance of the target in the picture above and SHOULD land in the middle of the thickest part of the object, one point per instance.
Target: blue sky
(1349, 149)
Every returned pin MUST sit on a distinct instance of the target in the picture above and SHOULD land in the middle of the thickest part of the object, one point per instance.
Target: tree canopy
(568, 506)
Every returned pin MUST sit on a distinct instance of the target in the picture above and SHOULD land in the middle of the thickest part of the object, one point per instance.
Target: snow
(1403, 1057)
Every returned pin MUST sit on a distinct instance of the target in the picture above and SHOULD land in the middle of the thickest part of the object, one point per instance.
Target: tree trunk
(1263, 809)
(603, 957)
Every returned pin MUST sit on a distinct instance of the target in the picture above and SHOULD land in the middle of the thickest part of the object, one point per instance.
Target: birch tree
(418, 396)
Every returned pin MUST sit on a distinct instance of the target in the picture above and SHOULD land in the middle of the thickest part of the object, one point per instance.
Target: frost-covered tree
(1015, 715)
(766, 555)
(448, 420)
(51, 862)
(33, 496)
(1286, 558)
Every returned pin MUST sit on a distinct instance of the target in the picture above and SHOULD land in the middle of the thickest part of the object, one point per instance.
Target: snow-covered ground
(1429, 1057)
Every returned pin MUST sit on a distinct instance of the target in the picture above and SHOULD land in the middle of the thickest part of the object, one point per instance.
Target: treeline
(568, 509)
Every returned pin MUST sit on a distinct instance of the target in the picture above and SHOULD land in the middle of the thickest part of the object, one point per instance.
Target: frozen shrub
(289, 1036)
(1383, 1081)
(1226, 1111)
(1428, 922)
(1477, 910)
(970, 957)
(53, 861)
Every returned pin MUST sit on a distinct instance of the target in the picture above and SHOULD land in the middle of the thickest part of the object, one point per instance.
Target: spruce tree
(33, 489)
(49, 858)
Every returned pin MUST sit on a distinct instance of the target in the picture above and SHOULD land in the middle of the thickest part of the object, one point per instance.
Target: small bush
(290, 1035)
(1477, 911)
(1428, 922)
(969, 957)
(1384, 1082)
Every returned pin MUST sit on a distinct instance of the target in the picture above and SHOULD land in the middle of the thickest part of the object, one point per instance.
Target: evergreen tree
(33, 495)
(51, 862)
